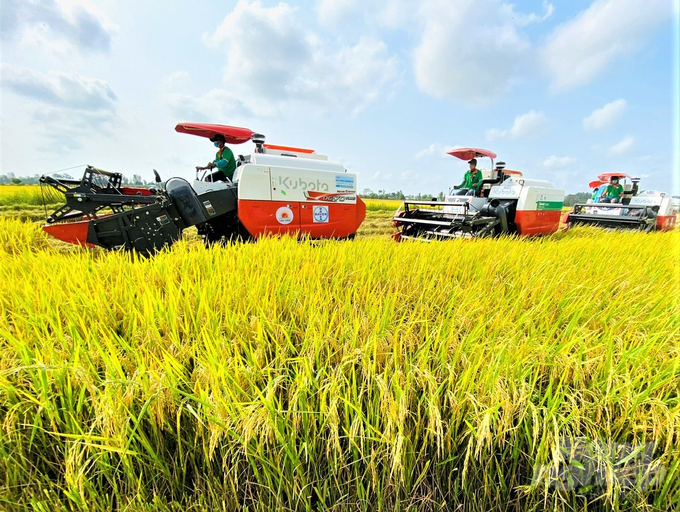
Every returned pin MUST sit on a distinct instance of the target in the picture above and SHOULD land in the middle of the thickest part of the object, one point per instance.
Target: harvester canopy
(596, 183)
(470, 153)
(606, 176)
(232, 134)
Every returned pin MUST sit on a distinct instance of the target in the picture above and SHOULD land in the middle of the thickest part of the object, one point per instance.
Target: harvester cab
(505, 203)
(274, 190)
(643, 210)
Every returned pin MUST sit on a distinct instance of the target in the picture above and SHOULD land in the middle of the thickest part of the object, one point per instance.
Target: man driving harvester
(614, 191)
(472, 181)
(224, 161)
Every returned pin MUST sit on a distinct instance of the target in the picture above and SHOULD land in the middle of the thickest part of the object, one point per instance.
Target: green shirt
(472, 180)
(613, 191)
(226, 162)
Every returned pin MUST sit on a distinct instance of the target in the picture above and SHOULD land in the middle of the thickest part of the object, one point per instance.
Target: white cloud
(58, 89)
(582, 48)
(469, 52)
(603, 117)
(177, 81)
(434, 150)
(522, 19)
(472, 51)
(68, 129)
(380, 175)
(67, 108)
(623, 147)
(53, 25)
(558, 162)
(526, 126)
(215, 103)
(335, 12)
(392, 14)
(273, 63)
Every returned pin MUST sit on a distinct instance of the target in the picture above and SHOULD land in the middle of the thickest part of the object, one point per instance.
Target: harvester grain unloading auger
(642, 210)
(507, 203)
(275, 190)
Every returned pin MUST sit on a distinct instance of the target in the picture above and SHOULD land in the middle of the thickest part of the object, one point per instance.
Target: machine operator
(472, 181)
(224, 161)
(613, 192)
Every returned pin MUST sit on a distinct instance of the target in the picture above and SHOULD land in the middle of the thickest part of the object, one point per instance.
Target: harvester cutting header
(274, 190)
(489, 202)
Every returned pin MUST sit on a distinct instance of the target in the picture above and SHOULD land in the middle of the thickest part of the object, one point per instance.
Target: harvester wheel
(225, 233)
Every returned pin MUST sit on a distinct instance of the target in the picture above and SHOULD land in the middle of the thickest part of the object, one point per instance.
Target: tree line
(367, 193)
(11, 179)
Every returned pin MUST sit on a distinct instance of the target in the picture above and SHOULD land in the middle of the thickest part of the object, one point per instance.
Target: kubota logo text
(298, 183)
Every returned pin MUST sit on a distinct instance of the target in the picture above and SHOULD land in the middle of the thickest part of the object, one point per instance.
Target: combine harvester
(507, 203)
(646, 210)
(275, 190)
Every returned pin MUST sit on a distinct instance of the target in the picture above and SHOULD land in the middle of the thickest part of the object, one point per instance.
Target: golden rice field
(27, 195)
(365, 375)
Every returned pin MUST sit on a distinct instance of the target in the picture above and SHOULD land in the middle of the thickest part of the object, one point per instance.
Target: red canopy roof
(606, 175)
(470, 153)
(596, 183)
(232, 134)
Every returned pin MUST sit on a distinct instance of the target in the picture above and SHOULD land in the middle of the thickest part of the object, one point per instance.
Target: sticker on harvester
(284, 215)
(321, 214)
(209, 207)
(344, 182)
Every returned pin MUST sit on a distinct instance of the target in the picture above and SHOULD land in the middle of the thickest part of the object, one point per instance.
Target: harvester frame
(507, 203)
(315, 198)
(641, 210)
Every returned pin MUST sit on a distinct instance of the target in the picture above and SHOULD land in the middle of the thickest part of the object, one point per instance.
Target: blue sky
(560, 90)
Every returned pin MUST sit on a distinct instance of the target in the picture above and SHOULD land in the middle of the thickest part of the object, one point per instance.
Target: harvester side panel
(538, 209)
(666, 222)
(668, 208)
(305, 201)
(272, 217)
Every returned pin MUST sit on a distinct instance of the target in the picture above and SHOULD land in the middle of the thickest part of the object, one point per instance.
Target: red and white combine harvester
(507, 203)
(644, 210)
(275, 190)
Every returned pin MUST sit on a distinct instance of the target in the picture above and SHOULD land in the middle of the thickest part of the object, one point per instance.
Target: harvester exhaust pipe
(258, 139)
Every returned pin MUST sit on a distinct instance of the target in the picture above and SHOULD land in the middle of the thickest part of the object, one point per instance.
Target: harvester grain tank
(507, 203)
(275, 190)
(648, 210)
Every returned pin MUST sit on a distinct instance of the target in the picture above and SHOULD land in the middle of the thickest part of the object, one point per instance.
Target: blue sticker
(344, 182)
(321, 214)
